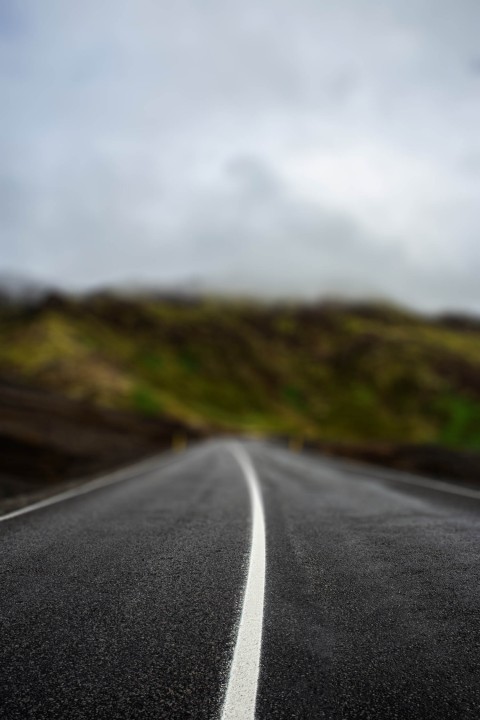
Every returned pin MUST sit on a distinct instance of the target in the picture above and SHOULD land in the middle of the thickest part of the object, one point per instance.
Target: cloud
(309, 249)
(278, 147)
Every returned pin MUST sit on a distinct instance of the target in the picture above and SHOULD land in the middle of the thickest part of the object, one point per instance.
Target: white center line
(241, 692)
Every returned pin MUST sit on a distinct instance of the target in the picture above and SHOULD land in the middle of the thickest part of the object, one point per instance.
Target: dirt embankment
(429, 460)
(46, 439)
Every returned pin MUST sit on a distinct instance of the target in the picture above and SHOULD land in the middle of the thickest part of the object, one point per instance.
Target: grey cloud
(145, 140)
(308, 250)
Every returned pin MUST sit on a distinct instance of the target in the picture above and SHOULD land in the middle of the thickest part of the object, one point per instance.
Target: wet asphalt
(124, 602)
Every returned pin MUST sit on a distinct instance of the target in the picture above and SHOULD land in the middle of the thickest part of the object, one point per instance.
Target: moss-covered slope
(331, 372)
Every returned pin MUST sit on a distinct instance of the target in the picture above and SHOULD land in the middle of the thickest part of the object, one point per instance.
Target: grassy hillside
(330, 372)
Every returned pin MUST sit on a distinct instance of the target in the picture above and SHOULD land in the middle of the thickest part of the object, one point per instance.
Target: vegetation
(326, 372)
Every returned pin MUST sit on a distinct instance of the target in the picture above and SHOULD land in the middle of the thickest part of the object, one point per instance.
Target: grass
(462, 422)
(354, 373)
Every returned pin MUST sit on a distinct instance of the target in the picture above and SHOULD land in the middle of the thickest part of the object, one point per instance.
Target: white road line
(112, 478)
(378, 474)
(437, 485)
(241, 692)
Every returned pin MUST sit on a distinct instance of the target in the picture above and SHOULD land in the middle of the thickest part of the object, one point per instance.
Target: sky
(281, 148)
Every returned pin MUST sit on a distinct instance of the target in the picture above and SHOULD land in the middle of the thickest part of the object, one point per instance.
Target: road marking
(112, 478)
(241, 692)
(382, 475)
(437, 485)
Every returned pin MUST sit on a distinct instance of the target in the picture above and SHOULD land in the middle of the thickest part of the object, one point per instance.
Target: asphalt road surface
(240, 581)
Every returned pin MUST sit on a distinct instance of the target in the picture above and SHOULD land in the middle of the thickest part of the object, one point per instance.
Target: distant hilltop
(329, 371)
(24, 291)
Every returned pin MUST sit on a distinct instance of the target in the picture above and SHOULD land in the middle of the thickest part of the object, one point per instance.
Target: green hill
(327, 372)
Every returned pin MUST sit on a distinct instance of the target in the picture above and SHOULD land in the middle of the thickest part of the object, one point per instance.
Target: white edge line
(117, 476)
(376, 473)
(241, 691)
(437, 485)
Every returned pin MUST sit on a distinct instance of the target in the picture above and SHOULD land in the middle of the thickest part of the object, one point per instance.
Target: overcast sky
(280, 147)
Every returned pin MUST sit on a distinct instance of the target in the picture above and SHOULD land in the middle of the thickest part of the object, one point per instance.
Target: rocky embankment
(430, 460)
(46, 439)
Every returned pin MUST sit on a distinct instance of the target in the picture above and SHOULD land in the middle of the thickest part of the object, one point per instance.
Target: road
(235, 581)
